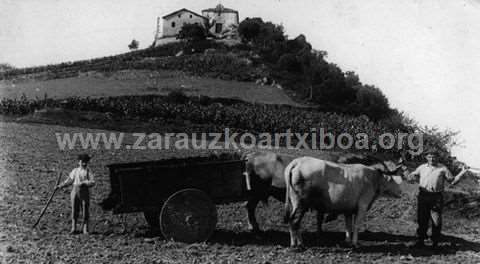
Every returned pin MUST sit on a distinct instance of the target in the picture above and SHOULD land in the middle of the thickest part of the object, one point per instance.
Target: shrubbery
(370, 101)
(228, 63)
(104, 64)
(133, 45)
(298, 67)
(214, 113)
(227, 66)
(6, 67)
(192, 33)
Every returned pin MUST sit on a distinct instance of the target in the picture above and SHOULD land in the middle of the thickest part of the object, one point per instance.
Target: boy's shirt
(79, 176)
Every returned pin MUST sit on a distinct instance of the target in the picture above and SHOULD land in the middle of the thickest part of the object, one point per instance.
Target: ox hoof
(254, 229)
(297, 249)
(354, 246)
(347, 244)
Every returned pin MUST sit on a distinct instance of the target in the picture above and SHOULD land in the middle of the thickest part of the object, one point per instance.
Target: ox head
(392, 180)
(391, 185)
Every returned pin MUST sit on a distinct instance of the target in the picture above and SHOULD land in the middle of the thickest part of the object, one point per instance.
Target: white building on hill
(221, 22)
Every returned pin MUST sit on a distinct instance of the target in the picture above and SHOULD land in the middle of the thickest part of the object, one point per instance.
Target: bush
(249, 28)
(177, 97)
(192, 32)
(371, 101)
(217, 65)
(5, 67)
(133, 45)
(104, 64)
(289, 62)
(198, 46)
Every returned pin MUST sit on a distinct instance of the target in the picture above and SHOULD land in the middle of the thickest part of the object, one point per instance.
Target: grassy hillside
(141, 82)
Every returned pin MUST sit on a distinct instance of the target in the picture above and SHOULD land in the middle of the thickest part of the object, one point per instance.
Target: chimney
(158, 35)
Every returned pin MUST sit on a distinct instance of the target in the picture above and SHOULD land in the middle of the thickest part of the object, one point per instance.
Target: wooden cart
(177, 195)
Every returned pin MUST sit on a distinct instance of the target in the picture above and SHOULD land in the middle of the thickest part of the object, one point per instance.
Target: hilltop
(266, 67)
(264, 56)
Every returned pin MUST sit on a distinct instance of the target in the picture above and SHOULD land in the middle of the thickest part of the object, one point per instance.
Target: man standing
(432, 176)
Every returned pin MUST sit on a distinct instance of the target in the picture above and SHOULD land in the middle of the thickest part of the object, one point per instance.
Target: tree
(352, 79)
(249, 28)
(329, 86)
(267, 38)
(371, 101)
(5, 67)
(289, 62)
(442, 141)
(133, 45)
(192, 33)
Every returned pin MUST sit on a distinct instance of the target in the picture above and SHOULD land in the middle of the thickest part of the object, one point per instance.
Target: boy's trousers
(80, 199)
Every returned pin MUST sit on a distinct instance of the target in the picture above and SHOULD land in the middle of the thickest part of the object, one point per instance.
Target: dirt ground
(30, 161)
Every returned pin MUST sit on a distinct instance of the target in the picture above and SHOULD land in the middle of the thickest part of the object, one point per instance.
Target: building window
(173, 24)
(179, 15)
(190, 16)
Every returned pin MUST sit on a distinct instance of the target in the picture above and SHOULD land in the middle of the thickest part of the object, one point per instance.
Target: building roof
(182, 10)
(220, 9)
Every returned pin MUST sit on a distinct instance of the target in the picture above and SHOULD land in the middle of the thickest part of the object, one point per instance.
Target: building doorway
(218, 28)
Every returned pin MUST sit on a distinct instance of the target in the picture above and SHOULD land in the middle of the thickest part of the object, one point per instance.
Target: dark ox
(265, 177)
(329, 187)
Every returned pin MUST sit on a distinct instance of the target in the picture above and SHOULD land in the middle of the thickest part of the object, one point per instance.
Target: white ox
(335, 188)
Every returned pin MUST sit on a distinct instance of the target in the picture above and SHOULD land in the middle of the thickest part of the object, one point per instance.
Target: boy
(82, 179)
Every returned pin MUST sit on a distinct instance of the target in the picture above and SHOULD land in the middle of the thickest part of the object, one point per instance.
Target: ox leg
(357, 224)
(319, 222)
(348, 228)
(252, 221)
(295, 233)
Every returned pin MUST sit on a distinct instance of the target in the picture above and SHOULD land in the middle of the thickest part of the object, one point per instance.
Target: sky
(423, 54)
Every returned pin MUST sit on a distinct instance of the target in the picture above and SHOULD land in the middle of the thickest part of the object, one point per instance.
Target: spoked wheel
(188, 215)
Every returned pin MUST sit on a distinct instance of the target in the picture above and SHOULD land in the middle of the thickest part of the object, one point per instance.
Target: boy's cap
(431, 151)
(84, 157)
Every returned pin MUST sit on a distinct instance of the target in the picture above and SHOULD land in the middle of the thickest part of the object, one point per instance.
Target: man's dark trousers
(429, 207)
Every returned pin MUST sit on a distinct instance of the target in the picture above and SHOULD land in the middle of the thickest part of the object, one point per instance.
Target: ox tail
(289, 210)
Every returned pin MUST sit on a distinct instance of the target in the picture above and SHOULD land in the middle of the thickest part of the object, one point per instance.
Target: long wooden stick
(59, 176)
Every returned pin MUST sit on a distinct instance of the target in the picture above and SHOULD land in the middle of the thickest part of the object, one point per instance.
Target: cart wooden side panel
(146, 186)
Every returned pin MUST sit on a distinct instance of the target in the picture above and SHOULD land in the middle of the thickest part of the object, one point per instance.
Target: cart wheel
(188, 215)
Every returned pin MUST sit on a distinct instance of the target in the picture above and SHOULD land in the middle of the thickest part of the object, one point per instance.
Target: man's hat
(84, 157)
